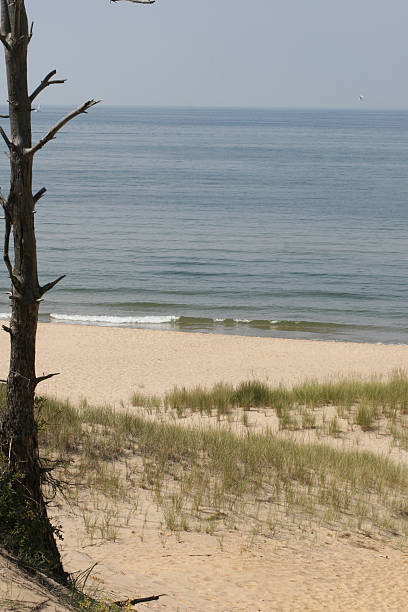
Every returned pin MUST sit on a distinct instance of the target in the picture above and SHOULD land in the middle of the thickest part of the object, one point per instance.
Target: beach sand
(106, 365)
(327, 570)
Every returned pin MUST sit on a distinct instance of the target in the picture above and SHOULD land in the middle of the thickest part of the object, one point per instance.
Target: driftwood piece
(133, 602)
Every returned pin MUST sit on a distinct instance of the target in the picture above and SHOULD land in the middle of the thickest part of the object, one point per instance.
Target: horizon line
(358, 107)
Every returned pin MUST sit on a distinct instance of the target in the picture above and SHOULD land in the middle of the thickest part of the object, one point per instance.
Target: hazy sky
(269, 53)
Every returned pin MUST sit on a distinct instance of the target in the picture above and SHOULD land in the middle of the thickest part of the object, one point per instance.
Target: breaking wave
(106, 319)
(205, 323)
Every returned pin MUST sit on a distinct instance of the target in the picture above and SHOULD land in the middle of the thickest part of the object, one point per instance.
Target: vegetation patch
(194, 473)
(209, 478)
(20, 525)
(362, 403)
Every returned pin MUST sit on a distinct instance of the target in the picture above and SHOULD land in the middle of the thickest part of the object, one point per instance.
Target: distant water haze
(278, 223)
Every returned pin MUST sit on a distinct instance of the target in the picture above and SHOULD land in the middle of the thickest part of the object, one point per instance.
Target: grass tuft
(194, 473)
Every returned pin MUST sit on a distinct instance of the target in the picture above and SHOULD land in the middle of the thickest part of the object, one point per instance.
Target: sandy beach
(232, 571)
(106, 365)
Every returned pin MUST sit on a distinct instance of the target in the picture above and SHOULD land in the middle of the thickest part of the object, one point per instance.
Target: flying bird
(361, 98)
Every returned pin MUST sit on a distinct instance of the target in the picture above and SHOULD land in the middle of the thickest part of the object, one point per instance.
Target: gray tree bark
(18, 428)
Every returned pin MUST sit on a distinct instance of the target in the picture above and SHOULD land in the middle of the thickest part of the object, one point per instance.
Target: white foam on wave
(4, 315)
(148, 320)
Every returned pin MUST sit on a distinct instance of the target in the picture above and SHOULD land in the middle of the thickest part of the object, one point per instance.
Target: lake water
(280, 223)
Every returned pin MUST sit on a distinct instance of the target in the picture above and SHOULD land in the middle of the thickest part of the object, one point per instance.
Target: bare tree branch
(30, 34)
(5, 138)
(13, 278)
(33, 109)
(3, 200)
(45, 83)
(137, 1)
(3, 39)
(39, 194)
(49, 286)
(51, 134)
(45, 377)
(6, 247)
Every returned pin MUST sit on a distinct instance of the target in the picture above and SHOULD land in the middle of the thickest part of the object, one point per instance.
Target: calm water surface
(258, 222)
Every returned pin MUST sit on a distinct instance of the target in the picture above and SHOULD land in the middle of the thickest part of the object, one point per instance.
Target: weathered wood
(29, 151)
(132, 602)
(6, 138)
(18, 427)
(45, 377)
(46, 82)
(39, 194)
(137, 1)
(51, 285)
(15, 281)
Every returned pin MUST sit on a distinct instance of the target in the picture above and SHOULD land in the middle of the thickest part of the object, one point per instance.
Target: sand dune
(327, 570)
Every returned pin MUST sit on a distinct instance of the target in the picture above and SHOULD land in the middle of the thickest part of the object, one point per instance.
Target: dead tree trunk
(18, 429)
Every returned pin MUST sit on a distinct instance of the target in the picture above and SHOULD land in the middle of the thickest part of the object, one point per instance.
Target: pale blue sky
(268, 53)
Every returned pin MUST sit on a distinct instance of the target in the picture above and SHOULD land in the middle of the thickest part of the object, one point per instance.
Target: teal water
(255, 222)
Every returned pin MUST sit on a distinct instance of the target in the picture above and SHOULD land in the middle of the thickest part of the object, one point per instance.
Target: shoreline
(106, 365)
(218, 331)
(326, 331)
